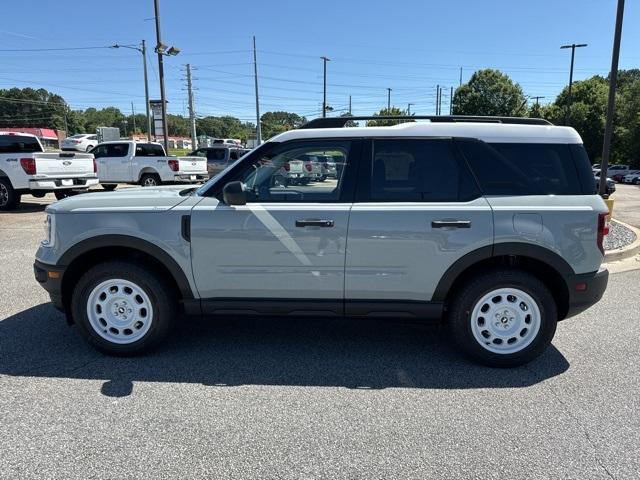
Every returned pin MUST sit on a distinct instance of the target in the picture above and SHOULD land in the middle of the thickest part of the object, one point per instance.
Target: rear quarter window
(526, 168)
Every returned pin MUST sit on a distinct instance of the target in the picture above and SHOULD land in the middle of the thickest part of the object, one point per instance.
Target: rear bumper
(191, 177)
(50, 278)
(59, 183)
(586, 290)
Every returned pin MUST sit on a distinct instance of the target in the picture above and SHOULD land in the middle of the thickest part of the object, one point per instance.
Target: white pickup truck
(144, 163)
(25, 168)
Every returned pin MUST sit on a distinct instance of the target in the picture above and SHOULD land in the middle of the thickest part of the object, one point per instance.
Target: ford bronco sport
(491, 225)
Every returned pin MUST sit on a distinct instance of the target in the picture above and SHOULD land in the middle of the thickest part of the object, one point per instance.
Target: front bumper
(62, 183)
(50, 278)
(586, 290)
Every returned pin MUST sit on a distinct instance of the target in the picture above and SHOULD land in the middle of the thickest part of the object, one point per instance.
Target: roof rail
(339, 122)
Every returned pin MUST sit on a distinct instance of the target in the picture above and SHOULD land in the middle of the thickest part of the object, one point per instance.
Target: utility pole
(437, 99)
(537, 99)
(451, 102)
(409, 108)
(349, 104)
(388, 101)
(460, 84)
(255, 76)
(611, 105)
(192, 113)
(146, 88)
(573, 47)
(324, 89)
(133, 118)
(163, 98)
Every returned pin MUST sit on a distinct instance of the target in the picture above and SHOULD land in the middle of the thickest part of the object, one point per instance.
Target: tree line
(28, 107)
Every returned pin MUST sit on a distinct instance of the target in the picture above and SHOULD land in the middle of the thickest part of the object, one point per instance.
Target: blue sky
(409, 46)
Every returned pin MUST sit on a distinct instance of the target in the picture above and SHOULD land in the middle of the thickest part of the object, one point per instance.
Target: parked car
(489, 223)
(82, 142)
(218, 157)
(611, 185)
(25, 168)
(618, 170)
(146, 164)
(633, 177)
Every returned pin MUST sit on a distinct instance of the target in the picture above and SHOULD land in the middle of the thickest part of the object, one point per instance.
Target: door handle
(451, 224)
(314, 223)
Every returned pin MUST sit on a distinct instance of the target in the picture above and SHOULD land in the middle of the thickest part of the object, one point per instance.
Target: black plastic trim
(130, 242)
(185, 227)
(394, 309)
(270, 306)
(455, 270)
(596, 284)
(53, 286)
(339, 122)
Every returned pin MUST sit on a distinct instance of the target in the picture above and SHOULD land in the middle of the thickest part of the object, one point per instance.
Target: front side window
(291, 173)
(216, 155)
(419, 171)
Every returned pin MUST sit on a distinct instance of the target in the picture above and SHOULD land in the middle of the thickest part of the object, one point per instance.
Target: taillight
(28, 165)
(309, 167)
(95, 166)
(174, 165)
(603, 229)
(286, 167)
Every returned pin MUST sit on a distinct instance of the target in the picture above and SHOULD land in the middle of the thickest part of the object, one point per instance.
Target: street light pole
(573, 47)
(613, 80)
(255, 76)
(409, 108)
(388, 101)
(324, 89)
(159, 50)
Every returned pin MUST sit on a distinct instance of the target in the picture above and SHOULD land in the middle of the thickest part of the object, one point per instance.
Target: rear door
(417, 211)
(117, 162)
(288, 242)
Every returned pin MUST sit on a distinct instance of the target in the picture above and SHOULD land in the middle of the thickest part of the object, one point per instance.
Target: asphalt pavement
(309, 398)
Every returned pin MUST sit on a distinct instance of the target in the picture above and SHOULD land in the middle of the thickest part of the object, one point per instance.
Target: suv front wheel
(123, 308)
(503, 318)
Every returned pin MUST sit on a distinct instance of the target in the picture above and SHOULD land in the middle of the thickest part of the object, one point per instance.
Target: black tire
(89, 148)
(162, 298)
(109, 187)
(9, 198)
(636, 181)
(150, 180)
(466, 298)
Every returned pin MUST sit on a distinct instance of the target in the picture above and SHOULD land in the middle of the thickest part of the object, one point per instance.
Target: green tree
(489, 92)
(273, 123)
(386, 112)
(27, 107)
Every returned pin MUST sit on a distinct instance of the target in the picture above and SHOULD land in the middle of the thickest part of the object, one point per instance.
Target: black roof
(339, 122)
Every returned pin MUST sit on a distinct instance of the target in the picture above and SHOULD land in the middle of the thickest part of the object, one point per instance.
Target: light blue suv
(491, 225)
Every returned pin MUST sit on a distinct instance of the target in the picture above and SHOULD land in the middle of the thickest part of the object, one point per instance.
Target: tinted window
(93, 137)
(19, 143)
(117, 149)
(217, 154)
(419, 171)
(523, 168)
(234, 155)
(149, 150)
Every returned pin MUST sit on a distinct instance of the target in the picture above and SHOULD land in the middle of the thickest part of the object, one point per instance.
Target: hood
(140, 199)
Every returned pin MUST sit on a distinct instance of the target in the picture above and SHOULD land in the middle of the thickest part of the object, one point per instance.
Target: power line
(51, 49)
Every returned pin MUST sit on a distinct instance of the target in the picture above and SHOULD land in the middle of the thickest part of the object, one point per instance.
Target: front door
(417, 211)
(287, 243)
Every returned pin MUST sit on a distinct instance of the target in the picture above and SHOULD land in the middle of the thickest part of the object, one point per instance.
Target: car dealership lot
(308, 398)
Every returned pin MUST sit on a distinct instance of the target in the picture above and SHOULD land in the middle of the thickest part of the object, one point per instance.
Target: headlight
(49, 231)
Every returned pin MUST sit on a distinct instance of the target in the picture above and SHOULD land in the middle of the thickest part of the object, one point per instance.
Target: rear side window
(419, 171)
(217, 154)
(149, 150)
(19, 144)
(117, 149)
(523, 168)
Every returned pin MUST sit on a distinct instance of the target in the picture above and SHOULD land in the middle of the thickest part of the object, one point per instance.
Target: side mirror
(233, 194)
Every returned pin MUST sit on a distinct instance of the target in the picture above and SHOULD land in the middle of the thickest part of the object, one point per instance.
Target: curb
(624, 252)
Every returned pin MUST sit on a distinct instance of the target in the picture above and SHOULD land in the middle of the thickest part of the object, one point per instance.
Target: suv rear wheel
(503, 318)
(123, 308)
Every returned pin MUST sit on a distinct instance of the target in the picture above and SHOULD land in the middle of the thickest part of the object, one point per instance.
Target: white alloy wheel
(119, 311)
(505, 320)
(149, 181)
